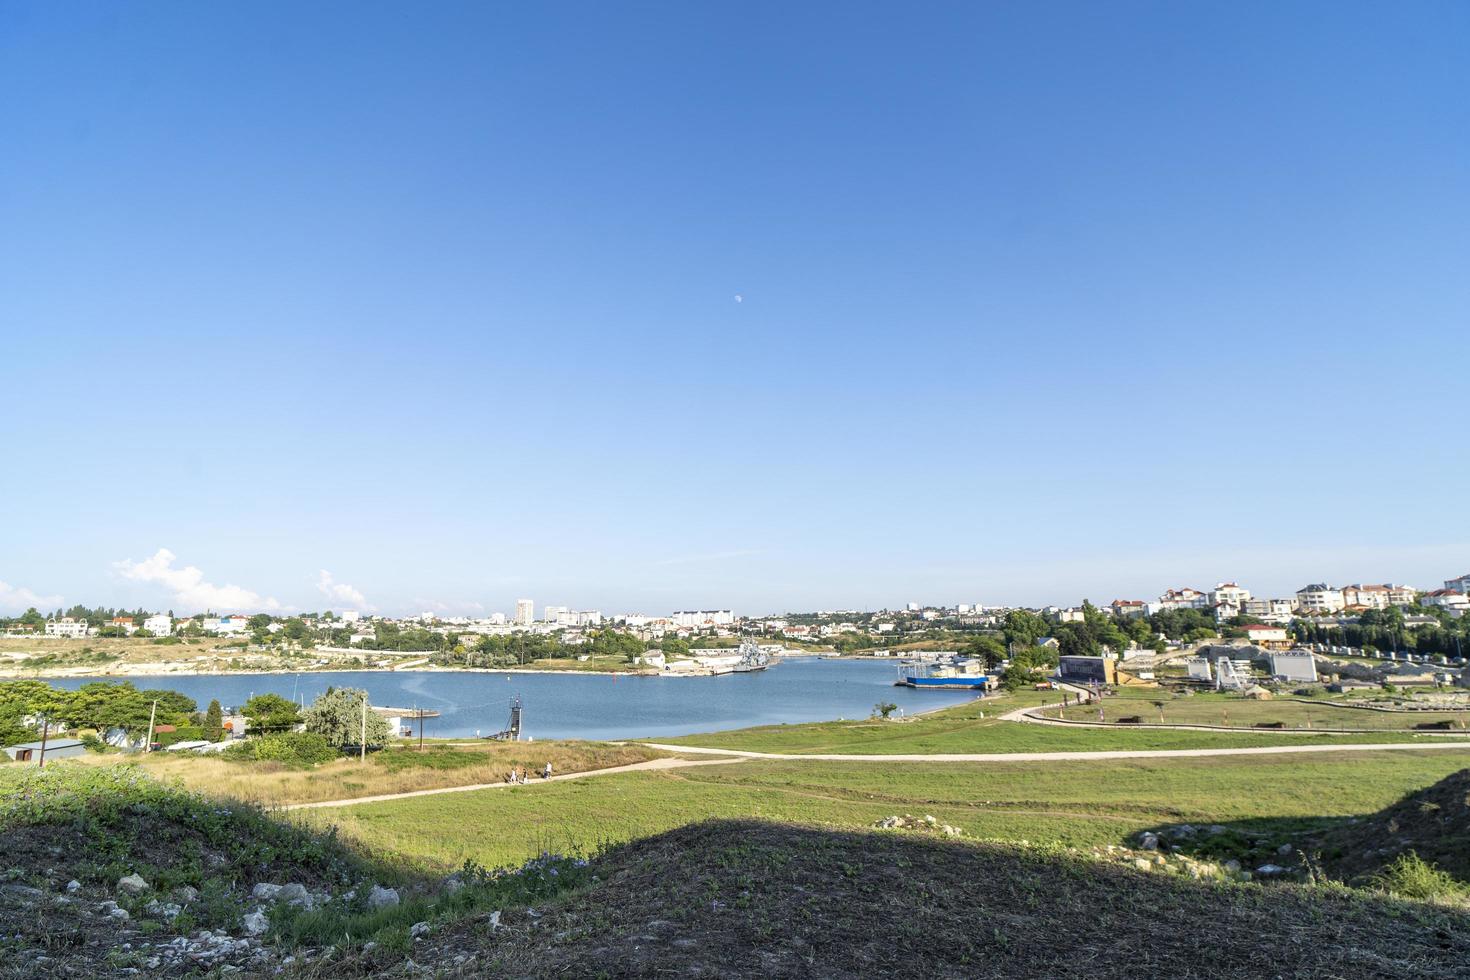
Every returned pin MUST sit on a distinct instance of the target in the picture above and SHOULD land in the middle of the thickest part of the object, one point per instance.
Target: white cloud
(19, 598)
(341, 592)
(187, 584)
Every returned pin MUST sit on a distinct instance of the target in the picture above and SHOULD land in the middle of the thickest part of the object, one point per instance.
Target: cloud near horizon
(341, 591)
(189, 589)
(19, 598)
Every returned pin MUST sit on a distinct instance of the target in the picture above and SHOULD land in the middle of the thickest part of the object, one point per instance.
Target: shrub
(183, 733)
(291, 748)
(1410, 876)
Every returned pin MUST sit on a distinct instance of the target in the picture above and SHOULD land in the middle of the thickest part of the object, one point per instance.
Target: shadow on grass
(745, 898)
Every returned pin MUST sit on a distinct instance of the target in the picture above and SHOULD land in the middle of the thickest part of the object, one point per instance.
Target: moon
(739, 298)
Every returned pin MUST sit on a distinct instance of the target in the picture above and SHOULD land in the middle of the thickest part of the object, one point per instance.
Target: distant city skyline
(163, 581)
(760, 306)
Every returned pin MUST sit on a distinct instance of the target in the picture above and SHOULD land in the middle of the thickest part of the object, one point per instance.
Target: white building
(698, 618)
(1461, 584)
(159, 624)
(525, 612)
(1275, 609)
(1229, 594)
(350, 615)
(1444, 598)
(1367, 596)
(1185, 598)
(66, 626)
(553, 614)
(1267, 636)
(1128, 608)
(1319, 598)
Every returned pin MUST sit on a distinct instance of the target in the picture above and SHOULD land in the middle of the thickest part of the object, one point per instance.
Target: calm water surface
(591, 706)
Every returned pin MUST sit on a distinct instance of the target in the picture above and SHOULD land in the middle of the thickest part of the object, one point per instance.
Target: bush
(1410, 876)
(183, 733)
(291, 748)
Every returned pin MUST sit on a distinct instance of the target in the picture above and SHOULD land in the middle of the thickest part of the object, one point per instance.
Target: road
(1067, 756)
(611, 770)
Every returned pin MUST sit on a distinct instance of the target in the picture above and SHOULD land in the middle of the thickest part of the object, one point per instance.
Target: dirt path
(1068, 756)
(633, 767)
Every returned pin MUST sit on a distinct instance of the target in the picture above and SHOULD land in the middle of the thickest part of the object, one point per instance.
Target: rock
(73, 886)
(452, 885)
(120, 915)
(1232, 866)
(382, 898)
(1214, 829)
(163, 910)
(132, 885)
(22, 891)
(295, 894)
(265, 891)
(1182, 830)
(494, 920)
(186, 894)
(418, 929)
(254, 923)
(1149, 842)
(1270, 870)
(1143, 864)
(1284, 850)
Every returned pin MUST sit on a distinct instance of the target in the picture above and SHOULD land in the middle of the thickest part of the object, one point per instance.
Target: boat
(950, 675)
(752, 658)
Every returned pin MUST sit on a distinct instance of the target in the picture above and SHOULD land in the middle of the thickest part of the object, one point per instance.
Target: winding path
(611, 770)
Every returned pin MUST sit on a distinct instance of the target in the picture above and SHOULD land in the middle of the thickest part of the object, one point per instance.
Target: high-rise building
(525, 612)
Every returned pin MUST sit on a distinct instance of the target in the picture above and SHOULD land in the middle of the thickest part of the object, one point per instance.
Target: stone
(1270, 870)
(186, 894)
(382, 898)
(295, 894)
(1215, 829)
(418, 929)
(1149, 842)
(494, 920)
(1284, 850)
(1143, 864)
(120, 915)
(132, 885)
(1232, 866)
(73, 886)
(453, 885)
(163, 910)
(254, 923)
(265, 891)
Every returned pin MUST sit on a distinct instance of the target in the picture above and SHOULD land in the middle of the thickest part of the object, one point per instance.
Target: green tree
(1024, 628)
(271, 713)
(338, 716)
(214, 722)
(990, 649)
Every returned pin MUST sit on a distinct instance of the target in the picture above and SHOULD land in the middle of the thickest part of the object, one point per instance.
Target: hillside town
(1227, 603)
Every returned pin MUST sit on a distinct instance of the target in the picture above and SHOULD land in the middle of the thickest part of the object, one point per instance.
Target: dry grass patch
(400, 770)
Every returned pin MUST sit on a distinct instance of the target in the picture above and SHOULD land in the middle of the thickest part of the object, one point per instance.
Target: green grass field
(1244, 713)
(1074, 803)
(963, 729)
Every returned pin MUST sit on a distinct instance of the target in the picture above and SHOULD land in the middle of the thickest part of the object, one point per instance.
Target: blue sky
(1038, 301)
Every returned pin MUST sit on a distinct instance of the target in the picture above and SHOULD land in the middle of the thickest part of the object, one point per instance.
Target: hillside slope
(756, 899)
